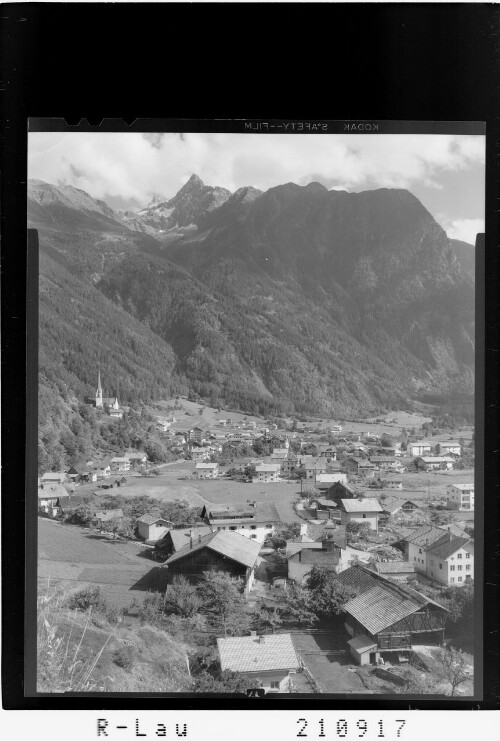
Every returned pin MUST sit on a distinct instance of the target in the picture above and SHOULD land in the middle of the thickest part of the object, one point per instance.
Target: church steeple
(98, 395)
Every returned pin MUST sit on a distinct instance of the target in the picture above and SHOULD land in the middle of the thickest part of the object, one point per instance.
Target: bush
(123, 657)
(90, 598)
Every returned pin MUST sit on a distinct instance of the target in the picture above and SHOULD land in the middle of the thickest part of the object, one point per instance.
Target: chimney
(253, 633)
(262, 639)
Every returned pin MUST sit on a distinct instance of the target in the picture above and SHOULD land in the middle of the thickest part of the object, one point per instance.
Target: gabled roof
(206, 466)
(268, 468)
(227, 543)
(381, 602)
(394, 567)
(360, 505)
(181, 537)
(318, 556)
(435, 459)
(151, 519)
(463, 487)
(294, 547)
(360, 461)
(51, 491)
(248, 654)
(425, 535)
(354, 490)
(53, 476)
(447, 546)
(382, 459)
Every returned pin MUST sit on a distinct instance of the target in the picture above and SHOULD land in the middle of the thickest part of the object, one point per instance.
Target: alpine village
(256, 469)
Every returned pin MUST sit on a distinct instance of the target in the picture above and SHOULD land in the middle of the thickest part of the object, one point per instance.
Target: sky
(446, 172)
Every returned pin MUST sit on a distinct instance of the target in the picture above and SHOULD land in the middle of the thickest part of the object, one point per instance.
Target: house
(386, 618)
(358, 466)
(329, 452)
(290, 463)
(384, 462)
(324, 481)
(255, 520)
(74, 475)
(449, 448)
(335, 429)
(269, 659)
(303, 556)
(360, 510)
(53, 477)
(415, 545)
(315, 466)
(392, 484)
(102, 516)
(450, 560)
(48, 498)
(461, 497)
(218, 551)
(325, 509)
(199, 454)
(152, 527)
(173, 540)
(420, 448)
(102, 470)
(120, 463)
(342, 490)
(197, 434)
(434, 463)
(391, 451)
(391, 505)
(398, 570)
(206, 470)
(266, 473)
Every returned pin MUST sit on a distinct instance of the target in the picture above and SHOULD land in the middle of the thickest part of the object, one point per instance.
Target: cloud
(133, 166)
(464, 229)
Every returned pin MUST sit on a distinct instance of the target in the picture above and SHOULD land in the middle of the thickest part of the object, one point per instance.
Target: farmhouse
(218, 551)
(387, 617)
(120, 464)
(450, 561)
(207, 470)
(53, 477)
(269, 660)
(384, 462)
(434, 463)
(199, 454)
(48, 498)
(315, 467)
(136, 459)
(360, 510)
(391, 505)
(461, 497)
(449, 448)
(324, 481)
(329, 452)
(398, 570)
(420, 448)
(358, 466)
(255, 520)
(107, 515)
(303, 556)
(266, 473)
(343, 490)
(415, 545)
(152, 527)
(173, 540)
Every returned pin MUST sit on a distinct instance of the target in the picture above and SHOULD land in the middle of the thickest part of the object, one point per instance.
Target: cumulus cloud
(464, 229)
(133, 166)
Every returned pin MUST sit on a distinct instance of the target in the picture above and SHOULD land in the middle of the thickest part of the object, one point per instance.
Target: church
(109, 401)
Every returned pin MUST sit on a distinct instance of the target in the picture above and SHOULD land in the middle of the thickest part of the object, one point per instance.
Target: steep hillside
(466, 255)
(296, 299)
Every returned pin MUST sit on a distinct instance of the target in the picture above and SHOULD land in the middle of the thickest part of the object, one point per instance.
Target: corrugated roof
(447, 545)
(380, 607)
(151, 519)
(227, 543)
(361, 505)
(358, 578)
(249, 654)
(436, 459)
(294, 547)
(425, 535)
(267, 467)
(180, 538)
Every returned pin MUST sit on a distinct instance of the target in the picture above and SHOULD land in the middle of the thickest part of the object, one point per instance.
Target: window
(467, 568)
(459, 568)
(467, 555)
(275, 685)
(253, 527)
(253, 536)
(414, 558)
(233, 527)
(459, 578)
(420, 550)
(452, 568)
(452, 579)
(441, 566)
(459, 555)
(269, 526)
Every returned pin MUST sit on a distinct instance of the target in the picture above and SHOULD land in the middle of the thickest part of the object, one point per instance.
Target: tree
(221, 598)
(269, 617)
(329, 595)
(181, 599)
(81, 515)
(297, 606)
(386, 440)
(356, 531)
(454, 666)
(223, 681)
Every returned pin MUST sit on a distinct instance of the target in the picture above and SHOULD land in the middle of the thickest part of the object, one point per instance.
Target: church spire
(98, 395)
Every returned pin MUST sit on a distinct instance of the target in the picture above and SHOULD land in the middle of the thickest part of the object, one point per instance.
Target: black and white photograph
(256, 409)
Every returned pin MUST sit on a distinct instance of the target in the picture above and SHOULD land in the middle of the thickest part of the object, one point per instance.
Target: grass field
(73, 556)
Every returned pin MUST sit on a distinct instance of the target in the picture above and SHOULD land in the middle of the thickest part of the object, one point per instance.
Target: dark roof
(354, 490)
(447, 545)
(229, 544)
(321, 557)
(260, 512)
(180, 538)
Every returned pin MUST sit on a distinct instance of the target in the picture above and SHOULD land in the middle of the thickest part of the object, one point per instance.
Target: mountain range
(293, 300)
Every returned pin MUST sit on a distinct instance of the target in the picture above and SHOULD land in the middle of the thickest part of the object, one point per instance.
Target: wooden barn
(387, 617)
(219, 551)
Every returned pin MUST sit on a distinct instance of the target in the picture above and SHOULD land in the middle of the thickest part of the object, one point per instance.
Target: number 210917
(352, 729)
